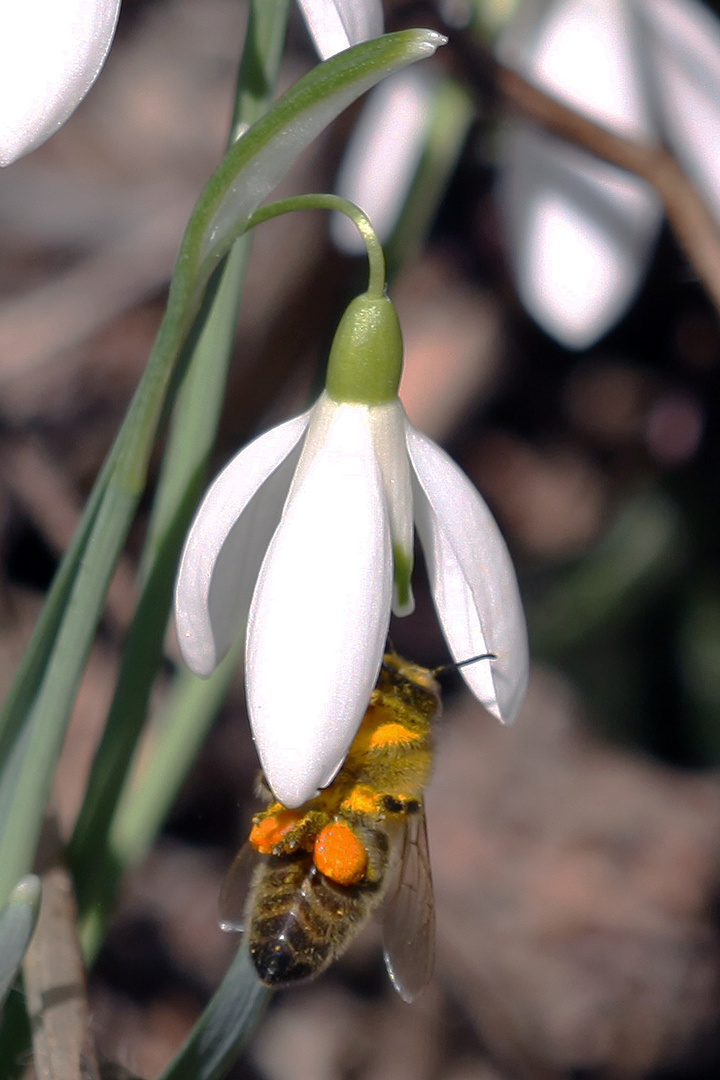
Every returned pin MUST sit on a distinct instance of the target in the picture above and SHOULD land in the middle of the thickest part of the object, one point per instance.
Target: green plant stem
(223, 1029)
(375, 254)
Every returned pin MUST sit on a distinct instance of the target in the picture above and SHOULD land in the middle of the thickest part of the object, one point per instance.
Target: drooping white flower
(335, 25)
(310, 527)
(580, 232)
(51, 52)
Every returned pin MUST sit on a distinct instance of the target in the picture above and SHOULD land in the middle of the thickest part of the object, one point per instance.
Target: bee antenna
(463, 663)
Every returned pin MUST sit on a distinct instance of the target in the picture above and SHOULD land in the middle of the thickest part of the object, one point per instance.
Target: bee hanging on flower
(308, 532)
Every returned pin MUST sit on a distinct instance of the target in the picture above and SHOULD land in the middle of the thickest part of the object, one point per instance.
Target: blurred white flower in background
(580, 232)
(383, 154)
(335, 25)
(51, 52)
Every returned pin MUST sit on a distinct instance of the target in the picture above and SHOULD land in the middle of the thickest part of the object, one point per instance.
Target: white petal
(227, 542)
(51, 52)
(321, 610)
(684, 53)
(580, 231)
(472, 578)
(335, 25)
(580, 234)
(382, 155)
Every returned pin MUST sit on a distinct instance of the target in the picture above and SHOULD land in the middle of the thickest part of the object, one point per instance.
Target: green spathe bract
(367, 352)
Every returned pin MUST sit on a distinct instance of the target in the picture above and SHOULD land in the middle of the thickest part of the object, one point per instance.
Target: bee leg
(377, 847)
(271, 826)
(302, 834)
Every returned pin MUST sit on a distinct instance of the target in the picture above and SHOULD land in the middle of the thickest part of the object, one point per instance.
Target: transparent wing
(408, 914)
(232, 902)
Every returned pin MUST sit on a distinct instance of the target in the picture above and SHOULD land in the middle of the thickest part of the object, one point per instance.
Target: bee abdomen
(286, 956)
(301, 921)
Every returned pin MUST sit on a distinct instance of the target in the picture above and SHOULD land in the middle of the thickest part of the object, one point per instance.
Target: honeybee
(359, 844)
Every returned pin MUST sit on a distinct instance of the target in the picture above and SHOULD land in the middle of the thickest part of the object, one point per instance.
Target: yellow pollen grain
(387, 734)
(361, 800)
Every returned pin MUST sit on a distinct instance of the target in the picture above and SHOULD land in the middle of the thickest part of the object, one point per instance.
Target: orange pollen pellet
(339, 854)
(268, 832)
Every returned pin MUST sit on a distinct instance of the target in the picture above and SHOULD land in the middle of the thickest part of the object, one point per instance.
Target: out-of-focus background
(576, 856)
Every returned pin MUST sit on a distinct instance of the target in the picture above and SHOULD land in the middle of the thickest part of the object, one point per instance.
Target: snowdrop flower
(580, 231)
(311, 527)
(335, 25)
(51, 52)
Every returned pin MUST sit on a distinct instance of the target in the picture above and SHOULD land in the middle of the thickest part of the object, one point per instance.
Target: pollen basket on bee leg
(339, 854)
(269, 831)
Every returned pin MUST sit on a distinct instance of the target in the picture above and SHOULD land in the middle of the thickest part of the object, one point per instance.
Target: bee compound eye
(339, 854)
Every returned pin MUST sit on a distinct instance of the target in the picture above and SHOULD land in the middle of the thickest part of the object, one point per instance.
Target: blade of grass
(227, 1023)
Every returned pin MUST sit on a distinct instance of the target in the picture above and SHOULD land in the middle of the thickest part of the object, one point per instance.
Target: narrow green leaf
(17, 922)
(28, 768)
(145, 800)
(220, 1034)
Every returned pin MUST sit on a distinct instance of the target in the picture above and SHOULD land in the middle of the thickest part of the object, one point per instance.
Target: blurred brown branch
(691, 221)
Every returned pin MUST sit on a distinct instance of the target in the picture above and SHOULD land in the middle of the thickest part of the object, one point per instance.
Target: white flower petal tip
(51, 52)
(227, 542)
(472, 579)
(580, 235)
(321, 608)
(335, 25)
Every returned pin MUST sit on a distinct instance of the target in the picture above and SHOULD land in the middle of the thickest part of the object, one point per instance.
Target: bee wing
(232, 901)
(408, 914)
